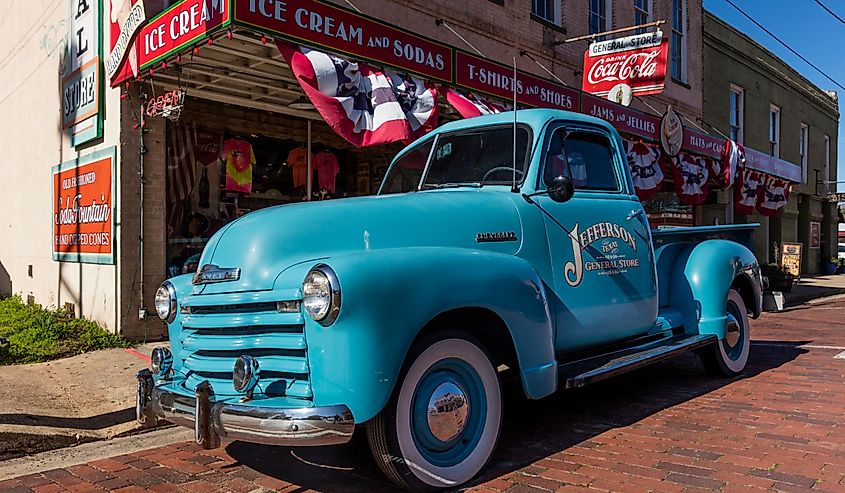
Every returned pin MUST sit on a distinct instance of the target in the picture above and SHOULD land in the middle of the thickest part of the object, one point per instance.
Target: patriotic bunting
(468, 105)
(690, 176)
(364, 105)
(774, 195)
(724, 171)
(748, 189)
(643, 160)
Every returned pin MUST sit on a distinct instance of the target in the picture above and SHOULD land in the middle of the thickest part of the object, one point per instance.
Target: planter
(778, 279)
(840, 269)
(828, 268)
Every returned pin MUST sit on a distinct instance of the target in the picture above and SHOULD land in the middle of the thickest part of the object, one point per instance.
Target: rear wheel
(729, 356)
(442, 424)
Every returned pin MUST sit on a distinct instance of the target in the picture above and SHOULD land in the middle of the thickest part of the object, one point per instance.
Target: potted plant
(829, 266)
(779, 278)
(841, 268)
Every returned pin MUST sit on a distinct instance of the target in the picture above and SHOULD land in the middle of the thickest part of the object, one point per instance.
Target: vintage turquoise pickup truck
(402, 313)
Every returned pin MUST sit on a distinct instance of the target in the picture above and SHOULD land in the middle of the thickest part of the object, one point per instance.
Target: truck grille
(214, 334)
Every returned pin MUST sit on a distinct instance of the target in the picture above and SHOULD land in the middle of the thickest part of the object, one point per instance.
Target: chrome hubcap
(732, 334)
(447, 411)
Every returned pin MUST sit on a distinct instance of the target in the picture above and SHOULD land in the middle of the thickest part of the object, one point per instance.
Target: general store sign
(323, 25)
(495, 79)
(81, 108)
(638, 62)
(83, 209)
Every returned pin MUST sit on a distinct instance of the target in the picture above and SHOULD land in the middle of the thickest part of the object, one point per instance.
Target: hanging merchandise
(298, 161)
(724, 172)
(690, 176)
(327, 170)
(469, 105)
(360, 102)
(774, 195)
(240, 159)
(748, 189)
(643, 159)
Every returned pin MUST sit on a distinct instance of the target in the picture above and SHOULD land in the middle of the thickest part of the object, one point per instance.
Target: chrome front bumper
(293, 427)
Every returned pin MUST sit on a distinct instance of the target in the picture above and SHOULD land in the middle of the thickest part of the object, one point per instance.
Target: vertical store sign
(83, 212)
(82, 84)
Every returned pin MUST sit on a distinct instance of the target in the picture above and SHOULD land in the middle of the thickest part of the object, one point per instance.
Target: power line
(840, 19)
(808, 62)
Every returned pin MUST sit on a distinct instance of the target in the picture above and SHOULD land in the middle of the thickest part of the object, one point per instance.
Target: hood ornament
(210, 274)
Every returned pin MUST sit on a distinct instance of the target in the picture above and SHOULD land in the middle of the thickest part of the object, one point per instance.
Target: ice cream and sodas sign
(83, 222)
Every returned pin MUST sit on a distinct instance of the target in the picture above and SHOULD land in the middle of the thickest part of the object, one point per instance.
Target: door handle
(636, 213)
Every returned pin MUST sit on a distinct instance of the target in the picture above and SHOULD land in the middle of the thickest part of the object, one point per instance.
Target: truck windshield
(468, 158)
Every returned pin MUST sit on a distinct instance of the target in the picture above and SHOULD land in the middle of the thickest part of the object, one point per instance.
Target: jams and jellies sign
(81, 83)
(482, 75)
(83, 212)
(323, 25)
(638, 62)
(624, 119)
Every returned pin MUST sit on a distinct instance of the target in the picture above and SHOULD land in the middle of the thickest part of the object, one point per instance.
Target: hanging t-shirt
(327, 170)
(298, 160)
(239, 162)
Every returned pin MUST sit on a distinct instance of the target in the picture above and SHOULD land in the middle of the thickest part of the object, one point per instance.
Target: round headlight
(321, 294)
(161, 361)
(165, 302)
(245, 375)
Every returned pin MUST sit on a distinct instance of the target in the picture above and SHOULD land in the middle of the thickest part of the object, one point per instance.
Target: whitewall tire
(442, 423)
(729, 356)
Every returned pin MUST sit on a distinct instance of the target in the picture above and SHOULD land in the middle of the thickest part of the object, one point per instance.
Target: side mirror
(561, 189)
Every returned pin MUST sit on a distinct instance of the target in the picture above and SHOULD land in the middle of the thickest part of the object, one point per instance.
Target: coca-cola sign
(638, 62)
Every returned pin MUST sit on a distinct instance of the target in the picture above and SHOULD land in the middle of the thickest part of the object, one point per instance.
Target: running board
(579, 373)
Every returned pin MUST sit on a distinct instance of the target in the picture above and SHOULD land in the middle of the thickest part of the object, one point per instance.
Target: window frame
(681, 32)
(621, 180)
(774, 127)
(608, 16)
(739, 113)
(556, 14)
(803, 150)
(648, 14)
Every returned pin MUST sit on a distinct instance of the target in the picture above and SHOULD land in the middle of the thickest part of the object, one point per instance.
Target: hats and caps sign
(81, 83)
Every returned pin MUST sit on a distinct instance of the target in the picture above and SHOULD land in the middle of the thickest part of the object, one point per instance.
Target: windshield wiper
(451, 185)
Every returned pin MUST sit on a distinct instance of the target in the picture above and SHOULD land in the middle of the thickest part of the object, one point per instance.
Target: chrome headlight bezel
(161, 362)
(165, 302)
(245, 374)
(329, 313)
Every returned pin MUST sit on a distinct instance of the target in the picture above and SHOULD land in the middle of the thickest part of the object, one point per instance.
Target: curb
(793, 301)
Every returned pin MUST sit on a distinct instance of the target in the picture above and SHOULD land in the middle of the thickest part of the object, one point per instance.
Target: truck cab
(504, 246)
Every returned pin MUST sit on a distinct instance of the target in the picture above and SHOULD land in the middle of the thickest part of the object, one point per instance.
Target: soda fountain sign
(638, 62)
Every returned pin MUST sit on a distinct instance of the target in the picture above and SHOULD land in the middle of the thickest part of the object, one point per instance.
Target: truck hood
(266, 242)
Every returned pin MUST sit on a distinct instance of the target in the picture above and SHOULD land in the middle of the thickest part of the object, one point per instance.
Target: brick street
(667, 428)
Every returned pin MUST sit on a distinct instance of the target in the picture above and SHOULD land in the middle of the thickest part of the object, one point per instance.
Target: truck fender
(388, 297)
(701, 277)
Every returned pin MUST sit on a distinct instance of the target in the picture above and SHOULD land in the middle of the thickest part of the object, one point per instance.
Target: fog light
(161, 362)
(245, 376)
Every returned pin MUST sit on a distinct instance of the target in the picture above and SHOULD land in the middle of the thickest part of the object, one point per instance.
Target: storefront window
(214, 177)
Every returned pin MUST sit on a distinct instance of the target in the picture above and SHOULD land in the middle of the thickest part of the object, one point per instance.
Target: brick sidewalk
(668, 428)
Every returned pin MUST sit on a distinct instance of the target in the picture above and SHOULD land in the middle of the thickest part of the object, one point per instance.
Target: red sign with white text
(175, 28)
(703, 144)
(478, 74)
(323, 25)
(82, 214)
(622, 118)
(638, 62)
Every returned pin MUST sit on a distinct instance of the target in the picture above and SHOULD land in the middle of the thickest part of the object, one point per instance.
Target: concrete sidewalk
(69, 401)
(810, 288)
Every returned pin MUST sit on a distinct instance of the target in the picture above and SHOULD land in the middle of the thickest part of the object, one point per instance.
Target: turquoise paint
(402, 260)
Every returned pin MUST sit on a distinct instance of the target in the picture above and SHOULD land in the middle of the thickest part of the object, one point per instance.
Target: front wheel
(729, 356)
(442, 424)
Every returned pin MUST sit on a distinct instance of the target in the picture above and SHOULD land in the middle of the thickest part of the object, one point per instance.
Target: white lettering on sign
(637, 41)
(75, 213)
(79, 93)
(181, 25)
(610, 261)
(636, 65)
(133, 22)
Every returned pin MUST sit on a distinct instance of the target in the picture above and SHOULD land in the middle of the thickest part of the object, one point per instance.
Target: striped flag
(364, 105)
(181, 170)
(469, 105)
(775, 193)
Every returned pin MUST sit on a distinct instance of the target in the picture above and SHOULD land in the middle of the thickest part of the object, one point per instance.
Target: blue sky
(808, 29)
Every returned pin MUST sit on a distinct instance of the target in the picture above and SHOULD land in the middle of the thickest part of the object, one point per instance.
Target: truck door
(599, 242)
